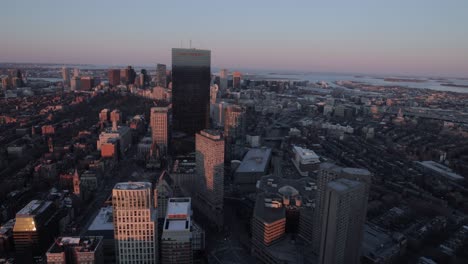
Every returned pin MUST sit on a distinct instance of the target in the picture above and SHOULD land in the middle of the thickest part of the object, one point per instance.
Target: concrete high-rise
(176, 238)
(329, 172)
(236, 80)
(191, 75)
(343, 219)
(87, 83)
(159, 123)
(114, 77)
(75, 83)
(66, 76)
(210, 166)
(234, 121)
(161, 75)
(135, 223)
(234, 127)
(223, 80)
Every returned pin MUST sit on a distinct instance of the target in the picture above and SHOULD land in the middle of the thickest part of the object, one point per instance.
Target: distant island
(454, 85)
(403, 80)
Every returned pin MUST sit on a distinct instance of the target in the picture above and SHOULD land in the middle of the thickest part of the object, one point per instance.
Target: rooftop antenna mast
(190, 43)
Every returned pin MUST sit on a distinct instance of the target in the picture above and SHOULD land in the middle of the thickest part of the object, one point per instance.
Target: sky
(416, 37)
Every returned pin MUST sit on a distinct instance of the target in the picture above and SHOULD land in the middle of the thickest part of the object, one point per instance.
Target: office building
(213, 93)
(344, 213)
(161, 80)
(191, 74)
(164, 192)
(329, 172)
(176, 238)
(159, 123)
(35, 228)
(103, 225)
(6, 83)
(66, 76)
(116, 117)
(76, 72)
(122, 134)
(75, 83)
(104, 115)
(236, 80)
(223, 79)
(210, 166)
(76, 250)
(135, 223)
(279, 207)
(305, 160)
(254, 165)
(114, 77)
(234, 122)
(87, 83)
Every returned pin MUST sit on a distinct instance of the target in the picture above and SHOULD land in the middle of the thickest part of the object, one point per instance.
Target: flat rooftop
(132, 185)
(343, 185)
(103, 221)
(33, 208)
(305, 153)
(268, 214)
(378, 243)
(256, 160)
(179, 208)
(211, 133)
(86, 243)
(441, 169)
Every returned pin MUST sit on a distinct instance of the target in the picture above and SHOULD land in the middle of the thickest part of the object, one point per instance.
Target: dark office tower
(161, 75)
(236, 80)
(131, 75)
(191, 75)
(114, 77)
(87, 83)
(145, 78)
(35, 228)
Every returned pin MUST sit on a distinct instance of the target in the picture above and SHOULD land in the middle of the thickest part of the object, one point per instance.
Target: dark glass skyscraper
(191, 73)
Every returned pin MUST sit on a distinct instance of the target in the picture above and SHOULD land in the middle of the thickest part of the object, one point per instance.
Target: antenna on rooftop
(190, 43)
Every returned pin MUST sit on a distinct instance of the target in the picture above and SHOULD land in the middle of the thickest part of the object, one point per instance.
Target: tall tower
(234, 127)
(213, 93)
(236, 80)
(135, 223)
(176, 239)
(191, 75)
(114, 77)
(66, 76)
(161, 75)
(343, 214)
(329, 172)
(210, 166)
(76, 183)
(223, 80)
(159, 127)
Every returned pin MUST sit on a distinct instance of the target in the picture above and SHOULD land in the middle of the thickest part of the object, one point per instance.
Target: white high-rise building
(66, 76)
(135, 223)
(343, 214)
(176, 238)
